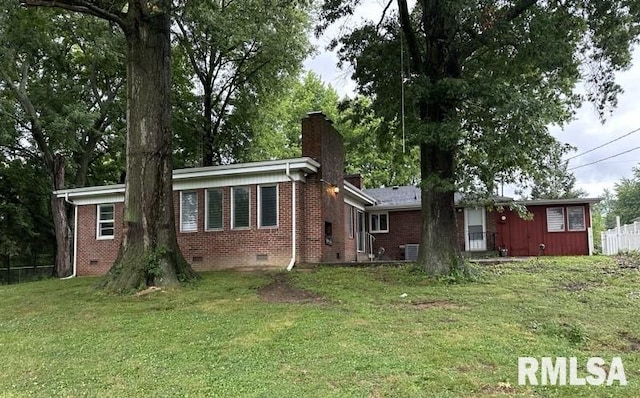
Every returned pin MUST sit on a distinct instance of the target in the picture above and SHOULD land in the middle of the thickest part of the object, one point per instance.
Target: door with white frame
(475, 229)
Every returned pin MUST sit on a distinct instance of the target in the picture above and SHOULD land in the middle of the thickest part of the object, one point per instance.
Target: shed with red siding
(557, 227)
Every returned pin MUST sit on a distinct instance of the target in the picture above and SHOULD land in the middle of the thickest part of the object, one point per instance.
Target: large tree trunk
(439, 252)
(149, 252)
(207, 134)
(61, 226)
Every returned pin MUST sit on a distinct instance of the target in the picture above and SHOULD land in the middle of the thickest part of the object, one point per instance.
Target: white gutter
(293, 220)
(75, 237)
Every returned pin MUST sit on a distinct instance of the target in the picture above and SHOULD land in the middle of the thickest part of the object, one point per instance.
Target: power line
(605, 144)
(603, 159)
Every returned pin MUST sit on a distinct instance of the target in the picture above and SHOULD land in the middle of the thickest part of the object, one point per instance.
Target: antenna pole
(402, 90)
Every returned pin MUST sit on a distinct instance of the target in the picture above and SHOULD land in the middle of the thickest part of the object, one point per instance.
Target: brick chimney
(324, 224)
(354, 179)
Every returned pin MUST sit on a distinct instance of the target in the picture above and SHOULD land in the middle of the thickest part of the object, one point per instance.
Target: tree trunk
(149, 253)
(439, 252)
(61, 226)
(207, 134)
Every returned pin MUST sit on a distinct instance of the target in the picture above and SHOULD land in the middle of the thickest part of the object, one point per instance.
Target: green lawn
(365, 338)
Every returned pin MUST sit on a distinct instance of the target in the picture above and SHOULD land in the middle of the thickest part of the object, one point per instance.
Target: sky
(585, 132)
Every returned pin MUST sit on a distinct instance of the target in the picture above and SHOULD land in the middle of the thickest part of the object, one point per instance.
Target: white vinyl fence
(623, 238)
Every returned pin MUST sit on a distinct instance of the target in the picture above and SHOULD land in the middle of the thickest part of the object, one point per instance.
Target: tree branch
(96, 8)
(504, 16)
(384, 12)
(410, 36)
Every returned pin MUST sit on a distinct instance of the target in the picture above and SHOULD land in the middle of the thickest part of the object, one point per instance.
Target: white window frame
(584, 219)
(182, 229)
(206, 212)
(99, 222)
(475, 244)
(564, 219)
(351, 224)
(378, 214)
(233, 210)
(260, 206)
(360, 230)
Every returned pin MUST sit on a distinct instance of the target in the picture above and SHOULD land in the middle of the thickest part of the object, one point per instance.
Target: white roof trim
(542, 202)
(402, 207)
(356, 193)
(201, 177)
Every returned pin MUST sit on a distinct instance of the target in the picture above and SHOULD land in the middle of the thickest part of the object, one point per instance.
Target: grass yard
(384, 331)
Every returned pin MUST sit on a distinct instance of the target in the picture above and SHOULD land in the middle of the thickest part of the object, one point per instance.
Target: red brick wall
(96, 256)
(321, 141)
(255, 247)
(236, 248)
(404, 227)
(205, 250)
(351, 244)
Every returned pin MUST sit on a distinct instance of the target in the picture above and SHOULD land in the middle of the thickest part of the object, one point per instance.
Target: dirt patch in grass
(632, 341)
(575, 286)
(281, 291)
(500, 388)
(431, 304)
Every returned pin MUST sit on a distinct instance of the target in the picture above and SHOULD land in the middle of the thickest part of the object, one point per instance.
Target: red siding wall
(523, 237)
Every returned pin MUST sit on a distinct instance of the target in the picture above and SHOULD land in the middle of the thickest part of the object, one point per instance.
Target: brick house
(278, 213)
(269, 214)
(561, 226)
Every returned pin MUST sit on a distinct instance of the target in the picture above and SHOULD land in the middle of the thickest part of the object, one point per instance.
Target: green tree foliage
(557, 182)
(483, 80)
(381, 162)
(379, 156)
(62, 83)
(26, 228)
(627, 198)
(243, 56)
(276, 128)
(61, 91)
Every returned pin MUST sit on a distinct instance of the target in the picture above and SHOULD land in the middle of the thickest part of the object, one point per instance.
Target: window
(240, 207)
(575, 218)
(214, 209)
(379, 222)
(268, 208)
(555, 219)
(360, 230)
(106, 221)
(350, 222)
(188, 211)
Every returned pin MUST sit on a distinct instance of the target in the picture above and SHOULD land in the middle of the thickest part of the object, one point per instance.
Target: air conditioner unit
(411, 251)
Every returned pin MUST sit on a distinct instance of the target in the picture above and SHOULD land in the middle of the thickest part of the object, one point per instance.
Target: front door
(475, 229)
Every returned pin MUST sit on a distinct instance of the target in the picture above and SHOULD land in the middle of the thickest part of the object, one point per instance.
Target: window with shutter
(188, 211)
(240, 207)
(214, 209)
(268, 198)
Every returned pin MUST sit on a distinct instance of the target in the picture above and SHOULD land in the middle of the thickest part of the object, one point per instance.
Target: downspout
(293, 219)
(75, 236)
